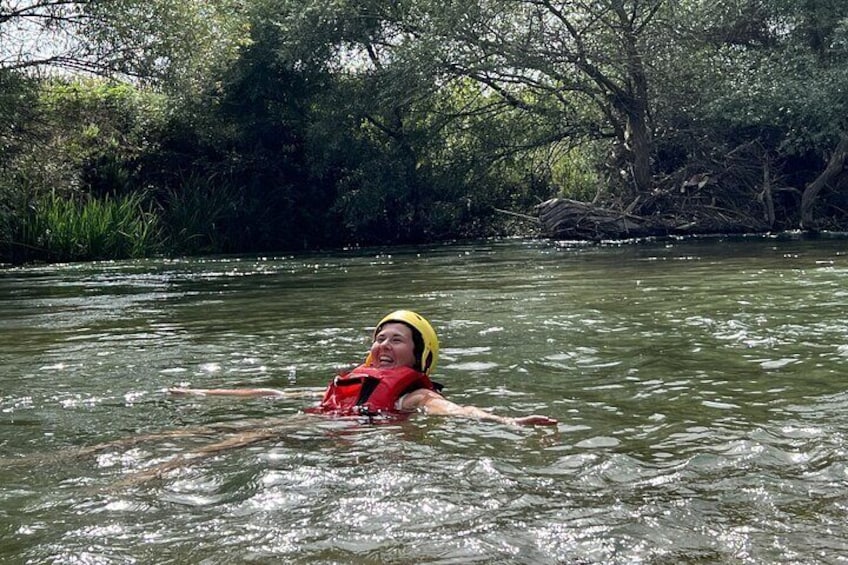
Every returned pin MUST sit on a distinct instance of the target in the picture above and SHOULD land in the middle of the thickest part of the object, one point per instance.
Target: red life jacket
(368, 391)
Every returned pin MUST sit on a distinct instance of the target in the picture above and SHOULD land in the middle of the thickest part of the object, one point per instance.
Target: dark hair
(417, 341)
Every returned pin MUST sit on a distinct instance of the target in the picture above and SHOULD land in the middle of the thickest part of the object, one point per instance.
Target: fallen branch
(533, 219)
(562, 217)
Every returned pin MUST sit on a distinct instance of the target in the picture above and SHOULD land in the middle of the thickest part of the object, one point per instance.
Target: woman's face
(393, 347)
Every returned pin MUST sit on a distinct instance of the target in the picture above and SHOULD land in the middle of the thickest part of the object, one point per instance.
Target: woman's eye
(393, 340)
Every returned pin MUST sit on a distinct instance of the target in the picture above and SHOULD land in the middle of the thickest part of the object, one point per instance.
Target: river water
(700, 387)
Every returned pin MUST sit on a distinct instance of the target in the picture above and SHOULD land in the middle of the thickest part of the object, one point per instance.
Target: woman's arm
(433, 403)
(249, 392)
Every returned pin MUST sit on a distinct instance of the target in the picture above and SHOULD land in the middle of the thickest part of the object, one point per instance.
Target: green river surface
(700, 388)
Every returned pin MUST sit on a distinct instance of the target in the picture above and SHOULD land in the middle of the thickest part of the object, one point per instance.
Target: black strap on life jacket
(368, 386)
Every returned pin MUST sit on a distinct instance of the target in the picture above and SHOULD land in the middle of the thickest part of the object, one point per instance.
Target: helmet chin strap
(426, 364)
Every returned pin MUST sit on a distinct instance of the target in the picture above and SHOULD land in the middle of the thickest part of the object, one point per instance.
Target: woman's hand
(533, 420)
(179, 390)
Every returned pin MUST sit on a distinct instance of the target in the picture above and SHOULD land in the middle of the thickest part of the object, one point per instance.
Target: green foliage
(83, 136)
(194, 216)
(434, 166)
(172, 43)
(793, 105)
(574, 172)
(236, 155)
(256, 125)
(17, 101)
(106, 128)
(79, 141)
(18, 96)
(61, 229)
(767, 71)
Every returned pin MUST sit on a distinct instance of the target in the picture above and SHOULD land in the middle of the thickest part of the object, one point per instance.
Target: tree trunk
(835, 167)
(768, 198)
(633, 102)
(637, 141)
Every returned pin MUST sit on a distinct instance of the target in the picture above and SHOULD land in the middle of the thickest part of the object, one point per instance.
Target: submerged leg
(183, 460)
(196, 431)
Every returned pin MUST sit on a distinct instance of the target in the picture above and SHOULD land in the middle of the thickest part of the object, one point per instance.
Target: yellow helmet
(429, 345)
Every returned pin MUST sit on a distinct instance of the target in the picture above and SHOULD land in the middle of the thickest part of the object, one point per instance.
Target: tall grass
(197, 216)
(62, 229)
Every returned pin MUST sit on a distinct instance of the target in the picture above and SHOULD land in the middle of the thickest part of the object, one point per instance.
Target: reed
(196, 216)
(63, 229)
